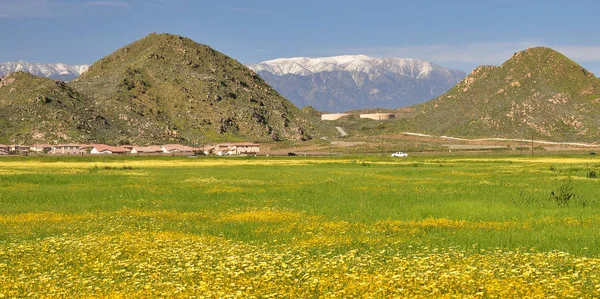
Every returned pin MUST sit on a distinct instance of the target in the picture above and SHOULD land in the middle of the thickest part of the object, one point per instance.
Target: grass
(224, 222)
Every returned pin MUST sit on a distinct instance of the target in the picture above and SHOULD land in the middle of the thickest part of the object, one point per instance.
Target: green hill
(162, 88)
(35, 109)
(167, 87)
(538, 92)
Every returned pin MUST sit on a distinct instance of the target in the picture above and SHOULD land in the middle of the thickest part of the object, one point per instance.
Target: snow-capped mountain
(56, 71)
(349, 82)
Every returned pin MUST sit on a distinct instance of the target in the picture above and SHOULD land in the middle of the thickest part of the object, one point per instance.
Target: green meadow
(87, 226)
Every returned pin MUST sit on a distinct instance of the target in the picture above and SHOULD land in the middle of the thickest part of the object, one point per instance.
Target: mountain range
(332, 84)
(167, 88)
(56, 71)
(342, 83)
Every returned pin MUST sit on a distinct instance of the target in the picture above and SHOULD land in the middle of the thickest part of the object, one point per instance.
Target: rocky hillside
(537, 93)
(162, 88)
(343, 83)
(36, 109)
(170, 87)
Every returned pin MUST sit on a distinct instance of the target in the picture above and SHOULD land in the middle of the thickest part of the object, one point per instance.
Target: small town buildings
(41, 148)
(234, 148)
(177, 149)
(18, 148)
(98, 149)
(238, 148)
(147, 150)
(67, 149)
(223, 149)
(207, 150)
(247, 148)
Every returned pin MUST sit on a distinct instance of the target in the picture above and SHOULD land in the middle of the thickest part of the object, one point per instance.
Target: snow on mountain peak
(305, 66)
(349, 82)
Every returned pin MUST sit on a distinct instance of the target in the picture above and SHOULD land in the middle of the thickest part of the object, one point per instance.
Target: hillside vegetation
(36, 109)
(538, 92)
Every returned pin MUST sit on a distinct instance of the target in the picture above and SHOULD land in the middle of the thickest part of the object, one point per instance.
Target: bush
(564, 195)
(592, 174)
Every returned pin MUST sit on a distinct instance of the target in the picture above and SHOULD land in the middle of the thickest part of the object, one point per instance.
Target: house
(67, 149)
(86, 148)
(238, 148)
(98, 149)
(207, 149)
(41, 148)
(247, 148)
(177, 149)
(147, 150)
(223, 149)
(18, 148)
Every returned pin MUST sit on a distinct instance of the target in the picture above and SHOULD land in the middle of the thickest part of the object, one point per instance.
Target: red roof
(148, 149)
(113, 149)
(245, 144)
(178, 147)
(39, 145)
(238, 144)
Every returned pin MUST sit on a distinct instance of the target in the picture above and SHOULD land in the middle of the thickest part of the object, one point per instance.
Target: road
(342, 132)
(505, 139)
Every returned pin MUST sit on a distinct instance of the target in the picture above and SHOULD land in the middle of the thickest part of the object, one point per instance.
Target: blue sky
(457, 34)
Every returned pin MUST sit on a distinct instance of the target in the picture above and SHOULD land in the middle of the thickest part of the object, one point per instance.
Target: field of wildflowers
(299, 228)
